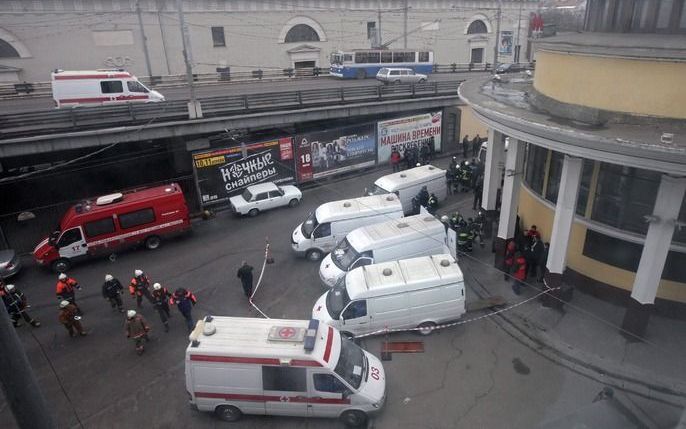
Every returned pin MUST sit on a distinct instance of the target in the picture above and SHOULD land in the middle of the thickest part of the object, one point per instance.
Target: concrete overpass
(57, 130)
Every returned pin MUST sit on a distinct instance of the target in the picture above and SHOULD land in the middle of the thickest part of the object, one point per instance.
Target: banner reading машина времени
(407, 132)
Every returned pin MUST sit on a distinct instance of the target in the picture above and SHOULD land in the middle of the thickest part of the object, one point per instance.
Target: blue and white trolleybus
(363, 63)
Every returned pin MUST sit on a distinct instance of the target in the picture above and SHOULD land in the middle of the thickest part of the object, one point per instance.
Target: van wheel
(426, 328)
(354, 418)
(361, 74)
(396, 82)
(422, 80)
(61, 265)
(314, 255)
(228, 413)
(294, 202)
(152, 242)
(253, 212)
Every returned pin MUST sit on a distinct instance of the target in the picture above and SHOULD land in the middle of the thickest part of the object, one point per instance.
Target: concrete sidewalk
(585, 334)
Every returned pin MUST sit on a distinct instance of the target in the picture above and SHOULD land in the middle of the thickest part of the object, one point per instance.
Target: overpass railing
(88, 118)
(222, 76)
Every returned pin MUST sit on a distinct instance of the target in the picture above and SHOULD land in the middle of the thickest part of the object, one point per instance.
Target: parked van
(331, 222)
(406, 184)
(418, 235)
(410, 293)
(99, 88)
(237, 366)
(112, 222)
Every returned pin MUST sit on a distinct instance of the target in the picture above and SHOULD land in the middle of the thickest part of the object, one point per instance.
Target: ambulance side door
(285, 390)
(328, 395)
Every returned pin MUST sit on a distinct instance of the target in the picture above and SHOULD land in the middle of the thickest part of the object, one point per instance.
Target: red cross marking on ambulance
(286, 332)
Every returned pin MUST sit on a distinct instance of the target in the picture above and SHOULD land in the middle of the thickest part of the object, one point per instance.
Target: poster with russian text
(407, 132)
(223, 172)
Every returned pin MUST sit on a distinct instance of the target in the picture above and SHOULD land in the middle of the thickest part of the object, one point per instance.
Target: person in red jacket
(395, 159)
(509, 258)
(519, 273)
(65, 290)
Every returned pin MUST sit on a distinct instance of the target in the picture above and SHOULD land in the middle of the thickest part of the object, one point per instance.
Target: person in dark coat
(245, 274)
(465, 146)
(112, 290)
(478, 193)
(533, 256)
(476, 145)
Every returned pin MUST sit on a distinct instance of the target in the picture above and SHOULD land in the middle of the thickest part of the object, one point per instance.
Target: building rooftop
(507, 105)
(639, 45)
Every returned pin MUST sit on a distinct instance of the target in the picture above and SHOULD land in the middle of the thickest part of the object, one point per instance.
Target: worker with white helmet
(70, 318)
(112, 291)
(139, 287)
(65, 290)
(160, 299)
(16, 304)
(137, 328)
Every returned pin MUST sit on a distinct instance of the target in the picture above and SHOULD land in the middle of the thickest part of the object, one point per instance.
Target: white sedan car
(265, 196)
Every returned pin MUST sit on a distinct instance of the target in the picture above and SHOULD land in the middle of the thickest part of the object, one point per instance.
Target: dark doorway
(477, 56)
(305, 64)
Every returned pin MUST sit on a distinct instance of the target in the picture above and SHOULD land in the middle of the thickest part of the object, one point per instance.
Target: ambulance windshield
(337, 299)
(377, 190)
(352, 364)
(309, 225)
(343, 255)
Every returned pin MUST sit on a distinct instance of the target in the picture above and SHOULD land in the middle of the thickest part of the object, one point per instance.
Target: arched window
(477, 27)
(7, 51)
(301, 33)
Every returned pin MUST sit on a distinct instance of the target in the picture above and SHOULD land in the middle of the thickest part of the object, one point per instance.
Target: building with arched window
(597, 154)
(245, 34)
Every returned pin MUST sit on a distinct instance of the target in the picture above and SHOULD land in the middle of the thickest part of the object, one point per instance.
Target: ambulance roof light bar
(311, 335)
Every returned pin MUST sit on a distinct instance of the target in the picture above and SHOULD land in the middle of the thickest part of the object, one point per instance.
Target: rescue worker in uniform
(70, 318)
(112, 291)
(137, 328)
(65, 290)
(16, 304)
(160, 299)
(139, 287)
(423, 197)
(184, 300)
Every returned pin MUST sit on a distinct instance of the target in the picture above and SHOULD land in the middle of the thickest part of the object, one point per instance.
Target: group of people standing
(473, 144)
(140, 287)
(525, 256)
(412, 156)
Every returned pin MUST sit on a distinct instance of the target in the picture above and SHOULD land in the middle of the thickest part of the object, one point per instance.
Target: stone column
(492, 169)
(655, 249)
(564, 217)
(514, 169)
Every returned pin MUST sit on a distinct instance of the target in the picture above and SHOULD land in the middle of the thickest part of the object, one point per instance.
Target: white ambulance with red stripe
(98, 88)
(237, 366)
(107, 224)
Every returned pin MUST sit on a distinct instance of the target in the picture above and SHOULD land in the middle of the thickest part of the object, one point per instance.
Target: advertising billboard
(505, 46)
(324, 153)
(223, 172)
(408, 132)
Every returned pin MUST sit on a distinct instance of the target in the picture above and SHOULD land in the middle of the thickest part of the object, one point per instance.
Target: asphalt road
(235, 88)
(473, 375)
